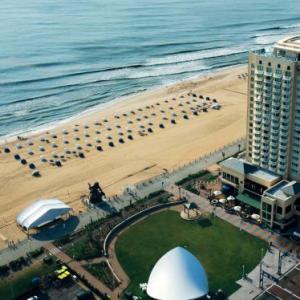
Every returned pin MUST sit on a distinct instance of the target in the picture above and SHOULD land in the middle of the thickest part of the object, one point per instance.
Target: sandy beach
(128, 141)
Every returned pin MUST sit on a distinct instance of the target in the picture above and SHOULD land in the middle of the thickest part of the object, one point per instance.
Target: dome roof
(178, 275)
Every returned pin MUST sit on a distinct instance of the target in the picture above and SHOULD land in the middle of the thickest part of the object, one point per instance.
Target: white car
(33, 298)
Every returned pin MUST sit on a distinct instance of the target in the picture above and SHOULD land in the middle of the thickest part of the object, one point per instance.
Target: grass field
(20, 282)
(221, 248)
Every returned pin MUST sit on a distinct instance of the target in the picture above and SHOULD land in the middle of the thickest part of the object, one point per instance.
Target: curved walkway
(112, 259)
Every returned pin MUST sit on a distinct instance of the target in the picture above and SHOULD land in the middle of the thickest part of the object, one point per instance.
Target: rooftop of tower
(289, 44)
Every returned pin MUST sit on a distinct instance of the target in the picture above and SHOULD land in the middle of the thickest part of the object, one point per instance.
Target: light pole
(243, 271)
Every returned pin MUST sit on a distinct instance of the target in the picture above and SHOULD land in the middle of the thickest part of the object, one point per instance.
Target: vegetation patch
(83, 249)
(103, 273)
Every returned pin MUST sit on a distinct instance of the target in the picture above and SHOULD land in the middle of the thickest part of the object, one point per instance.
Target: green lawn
(20, 282)
(221, 248)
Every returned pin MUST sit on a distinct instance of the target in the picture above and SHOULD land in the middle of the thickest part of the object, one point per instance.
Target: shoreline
(9, 138)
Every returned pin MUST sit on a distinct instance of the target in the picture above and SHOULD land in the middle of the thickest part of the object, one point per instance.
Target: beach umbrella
(217, 193)
(75, 129)
(54, 155)
(76, 138)
(30, 143)
(65, 131)
(222, 201)
(153, 114)
(108, 136)
(237, 208)
(41, 148)
(66, 142)
(6, 150)
(23, 161)
(98, 141)
(19, 146)
(78, 147)
(67, 151)
(255, 217)
(30, 152)
(166, 101)
(86, 126)
(43, 159)
(98, 132)
(230, 198)
(146, 117)
(54, 145)
(53, 135)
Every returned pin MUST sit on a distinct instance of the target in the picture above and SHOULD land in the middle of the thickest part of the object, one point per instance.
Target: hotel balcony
(285, 105)
(277, 75)
(287, 78)
(266, 73)
(283, 148)
(275, 119)
(277, 84)
(259, 72)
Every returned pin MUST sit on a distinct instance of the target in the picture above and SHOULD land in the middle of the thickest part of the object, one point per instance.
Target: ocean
(61, 58)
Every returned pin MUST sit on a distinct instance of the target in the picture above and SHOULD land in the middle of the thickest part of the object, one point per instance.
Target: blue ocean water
(60, 58)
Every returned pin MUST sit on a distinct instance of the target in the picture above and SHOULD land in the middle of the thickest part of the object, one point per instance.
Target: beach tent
(42, 212)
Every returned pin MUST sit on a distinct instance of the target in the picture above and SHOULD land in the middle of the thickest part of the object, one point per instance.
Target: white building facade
(273, 126)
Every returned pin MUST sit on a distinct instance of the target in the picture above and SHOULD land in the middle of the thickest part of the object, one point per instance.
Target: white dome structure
(178, 275)
(42, 212)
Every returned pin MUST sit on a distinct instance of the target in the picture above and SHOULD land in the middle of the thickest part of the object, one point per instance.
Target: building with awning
(276, 200)
(250, 200)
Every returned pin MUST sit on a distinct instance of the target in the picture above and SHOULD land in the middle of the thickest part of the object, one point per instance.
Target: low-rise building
(276, 200)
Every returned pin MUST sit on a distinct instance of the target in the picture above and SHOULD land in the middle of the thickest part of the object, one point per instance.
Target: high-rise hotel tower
(273, 127)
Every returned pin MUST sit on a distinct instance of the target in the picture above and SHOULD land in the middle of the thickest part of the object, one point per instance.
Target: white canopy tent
(42, 212)
(177, 275)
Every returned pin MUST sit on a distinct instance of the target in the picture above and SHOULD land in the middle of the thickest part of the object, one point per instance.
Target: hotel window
(279, 210)
(278, 66)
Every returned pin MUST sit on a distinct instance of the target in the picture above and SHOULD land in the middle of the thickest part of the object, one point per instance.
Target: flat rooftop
(243, 167)
(289, 43)
(277, 190)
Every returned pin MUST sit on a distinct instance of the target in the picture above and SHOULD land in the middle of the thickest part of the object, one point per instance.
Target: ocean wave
(196, 55)
(116, 72)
